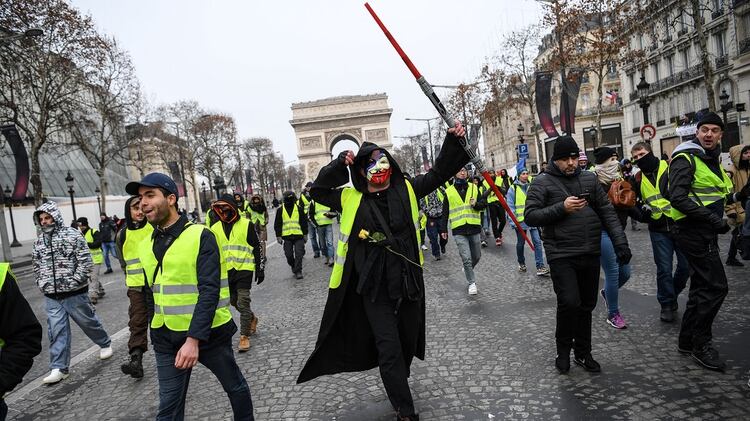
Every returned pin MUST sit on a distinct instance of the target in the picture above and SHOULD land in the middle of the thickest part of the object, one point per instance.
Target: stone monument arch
(319, 125)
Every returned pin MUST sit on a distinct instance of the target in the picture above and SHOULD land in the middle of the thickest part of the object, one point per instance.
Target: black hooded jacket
(345, 341)
(571, 234)
(278, 221)
(243, 278)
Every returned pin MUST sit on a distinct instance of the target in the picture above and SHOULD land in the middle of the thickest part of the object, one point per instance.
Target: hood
(260, 207)
(50, 208)
(358, 180)
(735, 152)
(690, 147)
(229, 199)
(128, 220)
(242, 198)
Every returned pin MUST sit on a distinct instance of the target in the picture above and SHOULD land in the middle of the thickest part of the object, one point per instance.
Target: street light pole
(429, 135)
(98, 199)
(69, 181)
(642, 88)
(9, 200)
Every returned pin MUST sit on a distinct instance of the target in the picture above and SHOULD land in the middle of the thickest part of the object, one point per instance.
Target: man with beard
(375, 313)
(129, 241)
(191, 322)
(239, 245)
(699, 188)
(259, 219)
(290, 226)
(572, 209)
(242, 205)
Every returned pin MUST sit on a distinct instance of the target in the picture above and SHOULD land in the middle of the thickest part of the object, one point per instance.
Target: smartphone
(586, 196)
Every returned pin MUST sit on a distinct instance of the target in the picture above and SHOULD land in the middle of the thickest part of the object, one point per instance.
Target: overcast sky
(253, 59)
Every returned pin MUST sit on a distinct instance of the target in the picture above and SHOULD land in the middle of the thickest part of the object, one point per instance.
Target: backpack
(621, 194)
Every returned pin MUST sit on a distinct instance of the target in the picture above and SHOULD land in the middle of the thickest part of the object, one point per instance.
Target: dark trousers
(294, 250)
(497, 219)
(3, 409)
(386, 326)
(433, 232)
(575, 280)
(708, 288)
(733, 242)
(173, 383)
(138, 318)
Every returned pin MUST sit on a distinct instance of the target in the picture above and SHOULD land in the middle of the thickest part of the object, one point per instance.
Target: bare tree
(215, 140)
(42, 82)
(254, 150)
(97, 128)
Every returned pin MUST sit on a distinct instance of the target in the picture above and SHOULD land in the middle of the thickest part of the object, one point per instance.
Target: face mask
(460, 182)
(379, 170)
(47, 229)
(648, 163)
(225, 212)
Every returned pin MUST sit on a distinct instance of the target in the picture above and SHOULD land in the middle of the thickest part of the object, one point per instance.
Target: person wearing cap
(20, 335)
(583, 162)
(191, 321)
(572, 209)
(62, 268)
(699, 188)
(655, 209)
(616, 273)
(304, 203)
(94, 241)
(291, 230)
(129, 241)
(462, 205)
(375, 312)
(240, 247)
(516, 199)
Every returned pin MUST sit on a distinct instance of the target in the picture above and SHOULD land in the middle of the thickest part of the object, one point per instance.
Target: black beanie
(565, 146)
(711, 118)
(603, 153)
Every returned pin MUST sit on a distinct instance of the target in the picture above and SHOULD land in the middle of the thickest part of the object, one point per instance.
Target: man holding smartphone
(572, 209)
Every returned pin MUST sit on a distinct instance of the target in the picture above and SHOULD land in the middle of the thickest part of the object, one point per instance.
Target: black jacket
(345, 341)
(209, 283)
(277, 223)
(571, 234)
(21, 332)
(108, 228)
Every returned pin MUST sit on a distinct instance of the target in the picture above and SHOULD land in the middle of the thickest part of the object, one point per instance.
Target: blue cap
(155, 179)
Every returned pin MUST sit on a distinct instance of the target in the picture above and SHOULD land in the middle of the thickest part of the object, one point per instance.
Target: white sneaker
(424, 246)
(105, 353)
(473, 289)
(54, 376)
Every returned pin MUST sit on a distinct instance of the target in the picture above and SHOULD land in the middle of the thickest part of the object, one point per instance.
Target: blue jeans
(313, 231)
(80, 309)
(470, 251)
(173, 383)
(107, 249)
(668, 286)
(325, 240)
(521, 244)
(615, 274)
(433, 231)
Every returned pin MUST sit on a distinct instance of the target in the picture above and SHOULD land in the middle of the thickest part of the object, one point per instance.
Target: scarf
(608, 172)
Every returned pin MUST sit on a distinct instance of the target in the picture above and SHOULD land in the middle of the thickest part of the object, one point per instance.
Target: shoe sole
(596, 370)
(58, 381)
(708, 366)
(684, 351)
(609, 322)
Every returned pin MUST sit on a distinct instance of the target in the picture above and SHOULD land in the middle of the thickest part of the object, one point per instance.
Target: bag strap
(557, 183)
(381, 220)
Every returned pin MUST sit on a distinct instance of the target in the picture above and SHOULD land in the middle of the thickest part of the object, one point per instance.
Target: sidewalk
(21, 256)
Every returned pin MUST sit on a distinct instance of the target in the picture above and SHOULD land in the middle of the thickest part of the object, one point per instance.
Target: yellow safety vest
(423, 221)
(257, 217)
(492, 198)
(290, 224)
(320, 218)
(350, 200)
(4, 271)
(305, 203)
(175, 287)
(235, 250)
(96, 253)
(208, 221)
(653, 197)
(707, 187)
(131, 253)
(460, 211)
(520, 202)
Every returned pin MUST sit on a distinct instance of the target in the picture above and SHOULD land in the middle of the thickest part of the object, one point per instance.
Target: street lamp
(429, 134)
(726, 104)
(69, 181)
(9, 203)
(98, 199)
(642, 88)
(594, 134)
(492, 158)
(520, 129)
(218, 185)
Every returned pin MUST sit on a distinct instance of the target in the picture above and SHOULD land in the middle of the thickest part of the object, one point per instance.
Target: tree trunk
(103, 188)
(598, 119)
(36, 179)
(708, 71)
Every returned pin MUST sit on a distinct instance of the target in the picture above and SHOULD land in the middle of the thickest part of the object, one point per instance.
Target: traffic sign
(648, 132)
(523, 150)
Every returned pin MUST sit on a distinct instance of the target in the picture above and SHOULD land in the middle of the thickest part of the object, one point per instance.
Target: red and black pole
(450, 121)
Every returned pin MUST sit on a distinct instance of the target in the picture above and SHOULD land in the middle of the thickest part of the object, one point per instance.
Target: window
(717, 6)
(746, 24)
(670, 66)
(631, 81)
(655, 71)
(665, 22)
(719, 43)
(686, 58)
(585, 101)
(612, 68)
(683, 25)
(640, 41)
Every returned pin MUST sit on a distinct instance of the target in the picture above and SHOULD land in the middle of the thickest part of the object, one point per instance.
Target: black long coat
(345, 341)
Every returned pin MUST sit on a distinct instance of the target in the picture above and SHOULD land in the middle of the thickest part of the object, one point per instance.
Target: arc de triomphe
(319, 125)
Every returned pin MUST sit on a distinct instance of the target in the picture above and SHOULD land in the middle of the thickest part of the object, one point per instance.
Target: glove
(623, 254)
(260, 276)
(743, 194)
(646, 212)
(723, 228)
(280, 240)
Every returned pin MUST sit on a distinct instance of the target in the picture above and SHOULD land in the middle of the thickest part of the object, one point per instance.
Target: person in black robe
(376, 316)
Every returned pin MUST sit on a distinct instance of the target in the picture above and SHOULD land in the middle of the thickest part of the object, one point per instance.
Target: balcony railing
(676, 79)
(721, 61)
(716, 13)
(633, 95)
(745, 46)
(667, 39)
(682, 32)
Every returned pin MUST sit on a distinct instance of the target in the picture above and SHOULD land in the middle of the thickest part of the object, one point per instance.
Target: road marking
(34, 384)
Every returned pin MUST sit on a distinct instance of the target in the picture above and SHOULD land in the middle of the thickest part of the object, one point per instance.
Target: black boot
(134, 368)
